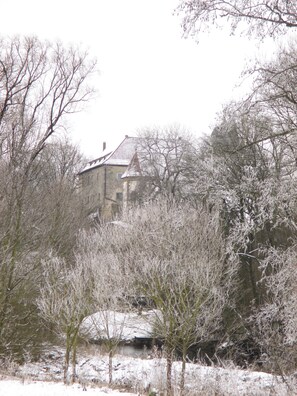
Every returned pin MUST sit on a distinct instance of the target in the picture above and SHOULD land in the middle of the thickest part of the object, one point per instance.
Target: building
(103, 188)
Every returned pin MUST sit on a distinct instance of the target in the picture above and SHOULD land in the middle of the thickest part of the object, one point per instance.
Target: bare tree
(264, 18)
(166, 159)
(111, 287)
(54, 195)
(40, 84)
(269, 109)
(51, 216)
(106, 327)
(175, 256)
(275, 323)
(64, 301)
(252, 182)
(274, 91)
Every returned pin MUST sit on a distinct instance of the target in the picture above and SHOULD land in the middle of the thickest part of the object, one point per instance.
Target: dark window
(119, 196)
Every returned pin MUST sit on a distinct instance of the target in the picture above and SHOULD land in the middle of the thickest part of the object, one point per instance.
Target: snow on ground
(27, 388)
(138, 376)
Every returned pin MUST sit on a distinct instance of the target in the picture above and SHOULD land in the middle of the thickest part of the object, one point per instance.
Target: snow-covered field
(40, 388)
(143, 375)
(134, 375)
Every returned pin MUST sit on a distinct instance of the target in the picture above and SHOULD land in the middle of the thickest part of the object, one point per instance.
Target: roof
(123, 153)
(121, 156)
(133, 169)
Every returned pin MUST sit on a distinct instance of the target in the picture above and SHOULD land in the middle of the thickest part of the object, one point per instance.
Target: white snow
(121, 155)
(28, 388)
(132, 374)
(137, 375)
(124, 326)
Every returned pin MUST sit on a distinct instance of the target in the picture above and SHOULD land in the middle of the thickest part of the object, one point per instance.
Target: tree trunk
(70, 340)
(183, 372)
(66, 361)
(74, 349)
(169, 373)
(8, 286)
(110, 355)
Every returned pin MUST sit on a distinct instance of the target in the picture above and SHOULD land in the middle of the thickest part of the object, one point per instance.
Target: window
(119, 176)
(119, 196)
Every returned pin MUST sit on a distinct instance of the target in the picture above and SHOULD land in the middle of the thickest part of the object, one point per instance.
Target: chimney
(126, 136)
(104, 146)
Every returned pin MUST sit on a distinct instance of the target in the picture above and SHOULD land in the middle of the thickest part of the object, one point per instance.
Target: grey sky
(149, 74)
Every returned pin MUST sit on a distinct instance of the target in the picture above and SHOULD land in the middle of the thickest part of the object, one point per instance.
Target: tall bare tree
(40, 84)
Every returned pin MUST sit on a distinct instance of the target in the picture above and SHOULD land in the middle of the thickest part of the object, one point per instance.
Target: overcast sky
(149, 74)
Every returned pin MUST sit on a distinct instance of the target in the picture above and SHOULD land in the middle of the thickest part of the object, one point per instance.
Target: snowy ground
(134, 375)
(40, 388)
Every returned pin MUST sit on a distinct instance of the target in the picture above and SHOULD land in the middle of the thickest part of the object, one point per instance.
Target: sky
(149, 74)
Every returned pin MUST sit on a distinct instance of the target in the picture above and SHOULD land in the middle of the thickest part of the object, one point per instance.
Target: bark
(169, 361)
(110, 356)
(183, 373)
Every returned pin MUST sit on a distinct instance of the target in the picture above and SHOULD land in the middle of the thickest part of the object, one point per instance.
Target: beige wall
(102, 190)
(129, 186)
